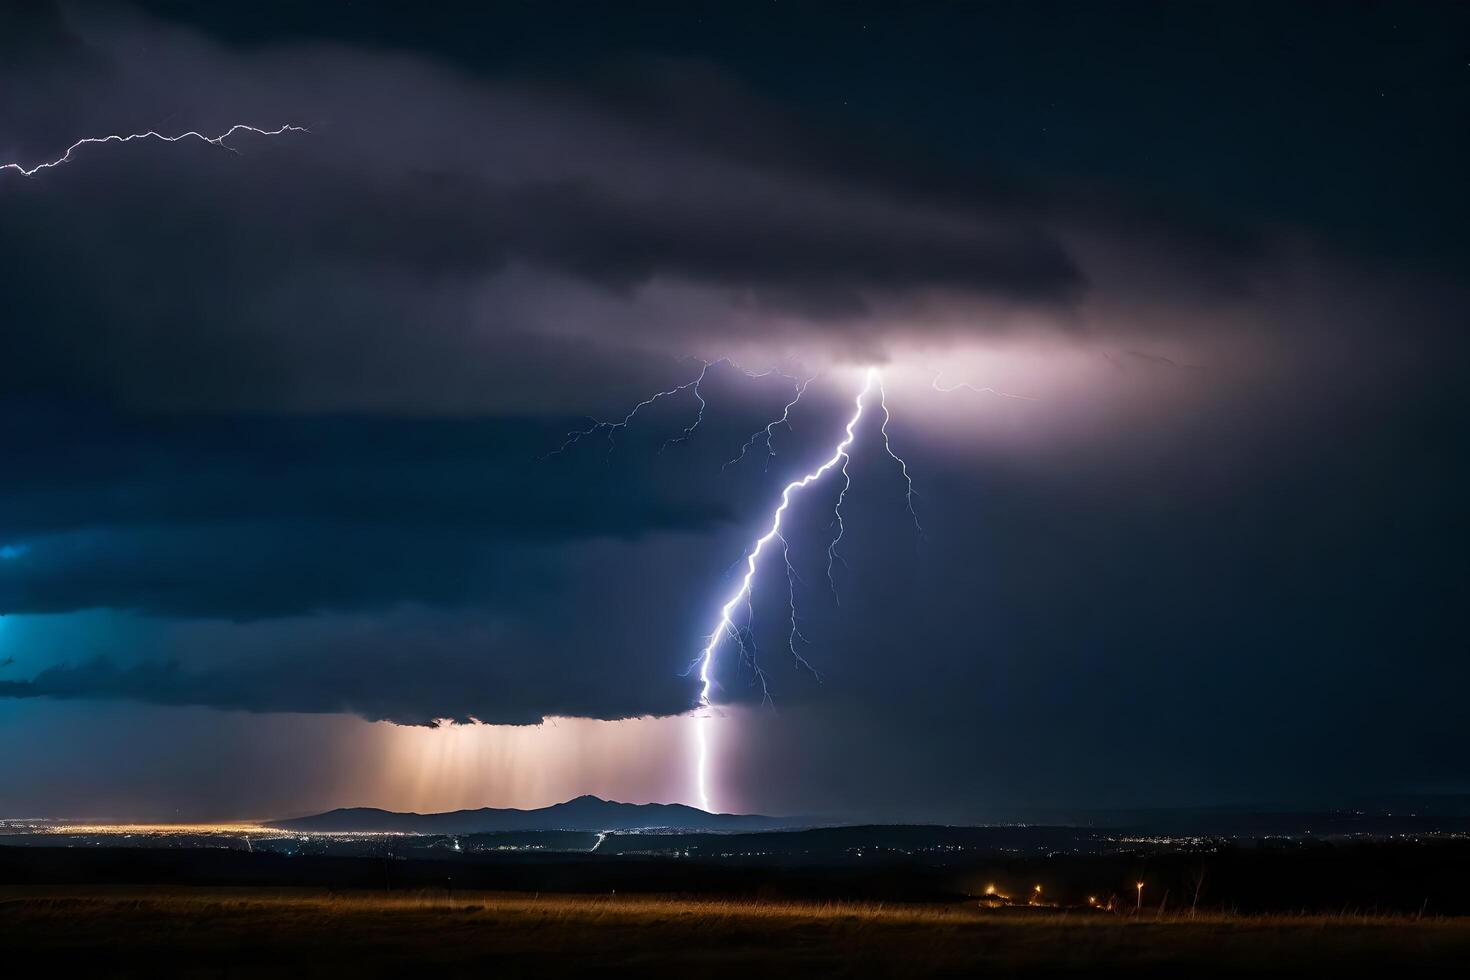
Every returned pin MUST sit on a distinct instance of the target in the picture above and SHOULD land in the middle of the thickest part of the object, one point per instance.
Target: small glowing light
(990, 889)
(1091, 899)
(1038, 889)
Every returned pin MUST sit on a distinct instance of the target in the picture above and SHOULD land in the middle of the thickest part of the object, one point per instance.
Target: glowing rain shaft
(726, 625)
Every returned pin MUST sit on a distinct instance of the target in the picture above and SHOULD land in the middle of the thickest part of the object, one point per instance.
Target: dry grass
(259, 932)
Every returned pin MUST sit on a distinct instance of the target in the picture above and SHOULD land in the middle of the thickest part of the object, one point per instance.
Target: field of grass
(242, 933)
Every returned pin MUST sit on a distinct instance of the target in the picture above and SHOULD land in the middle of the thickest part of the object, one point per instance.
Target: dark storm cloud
(443, 224)
(191, 471)
(406, 569)
(439, 220)
(254, 516)
(415, 676)
(330, 682)
(442, 241)
(167, 684)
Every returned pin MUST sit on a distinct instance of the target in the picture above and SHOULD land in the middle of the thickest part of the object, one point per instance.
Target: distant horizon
(1458, 805)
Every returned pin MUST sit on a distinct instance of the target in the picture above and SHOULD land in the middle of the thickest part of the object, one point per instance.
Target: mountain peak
(587, 799)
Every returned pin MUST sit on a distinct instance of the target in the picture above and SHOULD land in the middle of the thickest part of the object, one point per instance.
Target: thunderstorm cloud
(274, 423)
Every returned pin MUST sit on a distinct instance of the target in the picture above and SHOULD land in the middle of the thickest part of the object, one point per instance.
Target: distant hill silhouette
(586, 813)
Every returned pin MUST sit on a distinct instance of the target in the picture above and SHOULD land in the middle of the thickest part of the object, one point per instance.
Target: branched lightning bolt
(770, 428)
(726, 624)
(610, 429)
(689, 429)
(832, 556)
(902, 466)
(796, 634)
(191, 134)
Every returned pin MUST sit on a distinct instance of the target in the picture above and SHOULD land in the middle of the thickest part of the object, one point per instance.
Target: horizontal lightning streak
(966, 386)
(191, 134)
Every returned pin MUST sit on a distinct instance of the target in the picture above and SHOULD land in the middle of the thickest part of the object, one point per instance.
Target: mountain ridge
(585, 813)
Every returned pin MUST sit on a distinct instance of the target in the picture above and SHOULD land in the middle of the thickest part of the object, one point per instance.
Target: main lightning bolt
(151, 135)
(726, 627)
(772, 539)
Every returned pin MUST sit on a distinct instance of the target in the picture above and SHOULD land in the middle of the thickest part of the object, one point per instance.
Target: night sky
(279, 530)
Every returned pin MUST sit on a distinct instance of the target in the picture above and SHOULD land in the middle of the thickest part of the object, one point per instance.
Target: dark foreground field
(152, 932)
